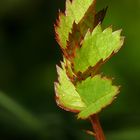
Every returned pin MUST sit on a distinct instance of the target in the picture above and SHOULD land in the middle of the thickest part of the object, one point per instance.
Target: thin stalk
(99, 134)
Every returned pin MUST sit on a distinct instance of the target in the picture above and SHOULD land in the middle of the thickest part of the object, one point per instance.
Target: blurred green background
(28, 55)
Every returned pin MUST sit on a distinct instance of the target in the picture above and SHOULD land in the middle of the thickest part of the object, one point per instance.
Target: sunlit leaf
(85, 48)
(75, 11)
(66, 94)
(98, 45)
(96, 93)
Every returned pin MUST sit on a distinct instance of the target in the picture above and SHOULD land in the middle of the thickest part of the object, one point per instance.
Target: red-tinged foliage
(99, 17)
(61, 105)
(56, 26)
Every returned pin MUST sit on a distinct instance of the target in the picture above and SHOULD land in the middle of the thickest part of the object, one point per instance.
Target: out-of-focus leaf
(22, 114)
(127, 134)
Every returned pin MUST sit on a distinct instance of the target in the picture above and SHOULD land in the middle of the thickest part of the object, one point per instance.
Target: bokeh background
(28, 55)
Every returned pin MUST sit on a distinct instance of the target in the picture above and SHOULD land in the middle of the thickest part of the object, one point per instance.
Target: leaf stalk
(99, 134)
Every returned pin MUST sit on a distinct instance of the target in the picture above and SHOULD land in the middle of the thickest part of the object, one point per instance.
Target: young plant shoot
(86, 47)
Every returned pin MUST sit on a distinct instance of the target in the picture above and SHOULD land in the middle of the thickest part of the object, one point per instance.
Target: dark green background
(28, 55)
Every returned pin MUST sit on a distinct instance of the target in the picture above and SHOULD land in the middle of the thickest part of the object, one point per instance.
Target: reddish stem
(99, 134)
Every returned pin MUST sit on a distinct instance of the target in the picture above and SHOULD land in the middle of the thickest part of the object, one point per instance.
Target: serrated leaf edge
(113, 98)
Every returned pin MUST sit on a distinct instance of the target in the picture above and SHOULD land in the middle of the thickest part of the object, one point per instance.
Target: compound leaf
(85, 48)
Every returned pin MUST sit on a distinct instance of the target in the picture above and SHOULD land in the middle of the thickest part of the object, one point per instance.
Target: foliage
(80, 87)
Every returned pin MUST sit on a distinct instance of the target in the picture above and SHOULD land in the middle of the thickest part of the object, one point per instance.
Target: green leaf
(66, 94)
(75, 11)
(87, 97)
(85, 47)
(18, 111)
(96, 93)
(98, 45)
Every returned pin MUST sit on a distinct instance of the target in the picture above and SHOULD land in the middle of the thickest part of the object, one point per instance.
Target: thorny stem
(99, 134)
